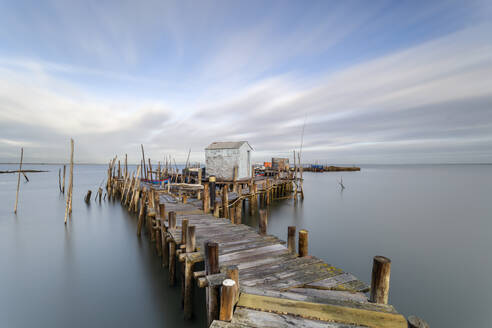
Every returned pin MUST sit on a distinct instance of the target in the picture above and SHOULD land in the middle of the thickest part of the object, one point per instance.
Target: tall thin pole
(143, 158)
(68, 209)
(18, 181)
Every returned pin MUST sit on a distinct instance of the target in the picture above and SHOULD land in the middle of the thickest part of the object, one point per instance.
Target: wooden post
(291, 239)
(225, 201)
(158, 235)
(216, 210)
(184, 230)
(188, 281)
(267, 191)
(239, 212)
(126, 164)
(263, 222)
(206, 198)
(172, 220)
(63, 184)
(143, 159)
(232, 272)
(380, 280)
(211, 181)
(119, 169)
(18, 181)
(68, 209)
(416, 322)
(232, 214)
(227, 298)
(141, 216)
(162, 211)
(212, 267)
(303, 243)
(172, 263)
(165, 245)
(70, 186)
(190, 239)
(234, 178)
(88, 196)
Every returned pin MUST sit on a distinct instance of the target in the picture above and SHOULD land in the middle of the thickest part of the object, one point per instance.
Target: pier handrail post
(263, 222)
(291, 239)
(227, 297)
(212, 293)
(380, 280)
(162, 211)
(303, 243)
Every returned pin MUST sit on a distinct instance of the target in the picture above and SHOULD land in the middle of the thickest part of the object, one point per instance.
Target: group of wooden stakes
(195, 226)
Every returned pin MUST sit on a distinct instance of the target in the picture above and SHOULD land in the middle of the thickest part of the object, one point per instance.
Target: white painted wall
(221, 162)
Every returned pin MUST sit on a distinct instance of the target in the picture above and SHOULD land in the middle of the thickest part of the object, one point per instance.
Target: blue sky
(375, 81)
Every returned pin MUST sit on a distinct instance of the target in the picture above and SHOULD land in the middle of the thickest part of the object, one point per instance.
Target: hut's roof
(227, 145)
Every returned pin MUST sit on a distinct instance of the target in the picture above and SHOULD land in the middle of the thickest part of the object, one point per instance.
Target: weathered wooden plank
(324, 312)
(285, 274)
(253, 252)
(345, 281)
(340, 298)
(257, 319)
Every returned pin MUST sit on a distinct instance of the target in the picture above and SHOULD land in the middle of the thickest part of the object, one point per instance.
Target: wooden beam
(324, 312)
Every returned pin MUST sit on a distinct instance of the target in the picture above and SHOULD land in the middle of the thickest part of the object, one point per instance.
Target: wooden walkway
(273, 284)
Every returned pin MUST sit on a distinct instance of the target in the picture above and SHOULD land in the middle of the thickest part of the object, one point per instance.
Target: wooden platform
(278, 288)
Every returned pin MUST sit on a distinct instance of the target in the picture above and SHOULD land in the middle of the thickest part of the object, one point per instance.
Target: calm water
(434, 222)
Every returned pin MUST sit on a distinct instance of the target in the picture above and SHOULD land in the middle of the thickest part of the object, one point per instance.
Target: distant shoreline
(344, 164)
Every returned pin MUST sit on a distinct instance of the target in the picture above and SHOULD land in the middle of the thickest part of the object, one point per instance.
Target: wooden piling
(184, 230)
(68, 209)
(227, 297)
(380, 280)
(190, 239)
(239, 212)
(63, 184)
(291, 239)
(18, 181)
(232, 272)
(172, 220)
(188, 274)
(126, 164)
(212, 292)
(211, 181)
(172, 263)
(165, 245)
(158, 235)
(162, 211)
(141, 216)
(88, 196)
(225, 201)
(303, 243)
(263, 222)
(206, 198)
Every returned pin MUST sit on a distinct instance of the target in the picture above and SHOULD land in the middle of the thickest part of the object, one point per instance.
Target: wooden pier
(252, 279)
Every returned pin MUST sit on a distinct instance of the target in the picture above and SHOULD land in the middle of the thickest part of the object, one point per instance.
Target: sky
(368, 82)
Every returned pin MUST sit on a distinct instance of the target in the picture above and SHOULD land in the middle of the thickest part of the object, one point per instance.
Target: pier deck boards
(277, 288)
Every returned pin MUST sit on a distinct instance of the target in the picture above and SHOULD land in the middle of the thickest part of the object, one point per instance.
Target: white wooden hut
(222, 157)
